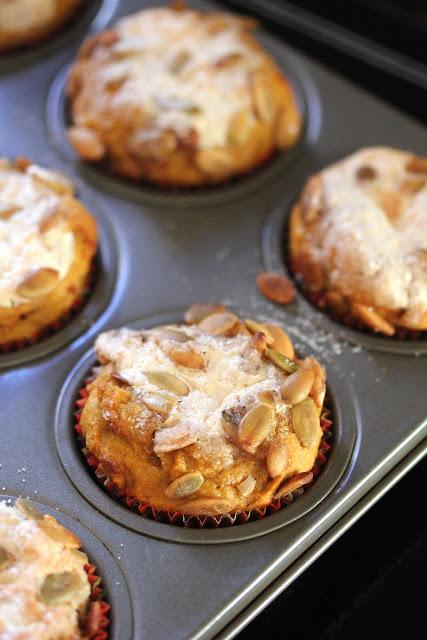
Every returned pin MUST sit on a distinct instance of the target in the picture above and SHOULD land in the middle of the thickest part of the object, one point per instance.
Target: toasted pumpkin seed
(168, 333)
(168, 381)
(187, 358)
(159, 403)
(185, 485)
(292, 484)
(27, 509)
(255, 426)
(51, 179)
(39, 283)
(198, 312)
(6, 558)
(281, 361)
(7, 210)
(277, 457)
(306, 422)
(218, 323)
(282, 342)
(246, 487)
(255, 326)
(59, 588)
(267, 397)
(297, 386)
(57, 532)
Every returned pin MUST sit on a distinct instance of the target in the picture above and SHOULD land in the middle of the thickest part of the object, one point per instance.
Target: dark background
(371, 584)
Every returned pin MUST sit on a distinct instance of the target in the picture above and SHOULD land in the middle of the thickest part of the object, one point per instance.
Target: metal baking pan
(159, 253)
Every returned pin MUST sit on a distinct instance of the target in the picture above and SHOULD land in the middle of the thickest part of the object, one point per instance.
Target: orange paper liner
(97, 620)
(180, 519)
(44, 332)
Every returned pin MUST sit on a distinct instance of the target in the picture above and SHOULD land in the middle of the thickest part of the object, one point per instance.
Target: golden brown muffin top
(228, 416)
(366, 220)
(44, 588)
(36, 243)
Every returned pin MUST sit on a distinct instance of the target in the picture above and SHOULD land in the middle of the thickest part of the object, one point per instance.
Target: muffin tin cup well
(69, 450)
(105, 288)
(181, 519)
(58, 118)
(274, 253)
(92, 15)
(102, 564)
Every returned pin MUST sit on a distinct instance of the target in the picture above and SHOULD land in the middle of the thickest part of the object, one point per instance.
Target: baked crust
(30, 305)
(44, 587)
(22, 23)
(192, 419)
(179, 98)
(358, 239)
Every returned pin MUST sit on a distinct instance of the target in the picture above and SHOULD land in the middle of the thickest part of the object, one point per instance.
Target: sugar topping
(24, 203)
(233, 375)
(170, 63)
(366, 247)
(35, 555)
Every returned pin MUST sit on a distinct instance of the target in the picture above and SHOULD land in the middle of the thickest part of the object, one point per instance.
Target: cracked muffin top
(359, 232)
(208, 418)
(179, 97)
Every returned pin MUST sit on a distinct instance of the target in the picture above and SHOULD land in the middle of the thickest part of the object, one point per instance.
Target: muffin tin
(161, 251)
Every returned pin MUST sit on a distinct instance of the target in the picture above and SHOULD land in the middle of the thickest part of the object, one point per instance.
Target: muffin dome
(179, 98)
(358, 239)
(47, 243)
(44, 588)
(203, 419)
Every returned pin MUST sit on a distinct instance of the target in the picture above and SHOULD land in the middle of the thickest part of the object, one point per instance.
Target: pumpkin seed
(297, 386)
(292, 484)
(186, 358)
(277, 458)
(255, 326)
(267, 397)
(168, 382)
(185, 485)
(281, 361)
(198, 312)
(57, 532)
(28, 510)
(39, 283)
(6, 558)
(306, 422)
(417, 164)
(255, 427)
(206, 506)
(318, 390)
(159, 403)
(51, 179)
(282, 342)
(218, 323)
(246, 487)
(7, 210)
(167, 333)
(59, 588)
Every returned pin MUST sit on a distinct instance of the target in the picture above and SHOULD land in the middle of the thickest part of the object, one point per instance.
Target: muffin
(23, 22)
(209, 418)
(358, 240)
(45, 588)
(179, 98)
(47, 243)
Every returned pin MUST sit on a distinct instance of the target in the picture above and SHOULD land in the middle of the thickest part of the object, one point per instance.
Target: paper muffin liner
(180, 519)
(62, 321)
(96, 620)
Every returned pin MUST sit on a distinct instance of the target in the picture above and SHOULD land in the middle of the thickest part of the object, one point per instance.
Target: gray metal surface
(171, 251)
